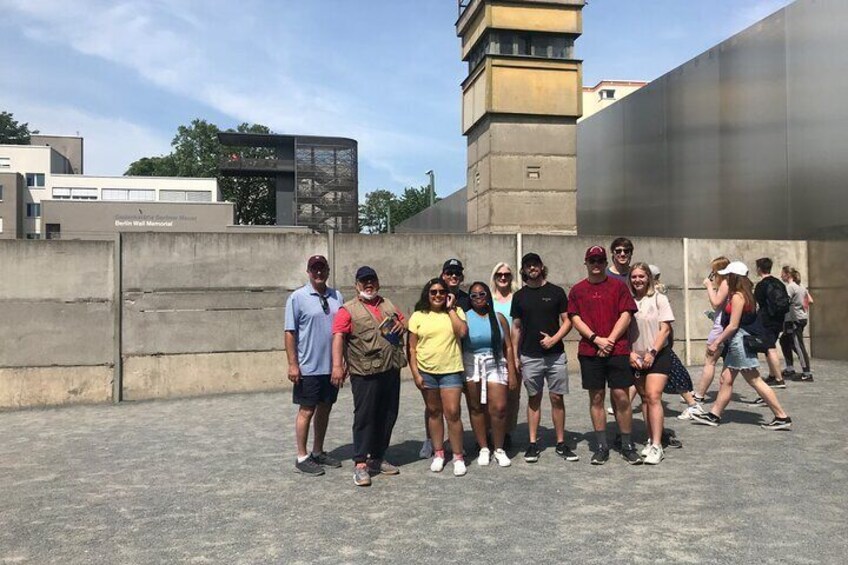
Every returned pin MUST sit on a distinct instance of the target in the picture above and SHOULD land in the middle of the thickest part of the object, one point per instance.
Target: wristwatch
(653, 352)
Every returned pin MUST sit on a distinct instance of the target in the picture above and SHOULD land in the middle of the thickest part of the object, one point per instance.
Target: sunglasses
(453, 273)
(325, 305)
(437, 292)
(476, 295)
(622, 251)
(596, 261)
(506, 276)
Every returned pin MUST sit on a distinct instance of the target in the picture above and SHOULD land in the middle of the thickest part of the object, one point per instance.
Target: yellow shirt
(438, 350)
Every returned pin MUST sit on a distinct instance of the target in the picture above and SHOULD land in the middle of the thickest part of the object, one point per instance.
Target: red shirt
(343, 324)
(600, 305)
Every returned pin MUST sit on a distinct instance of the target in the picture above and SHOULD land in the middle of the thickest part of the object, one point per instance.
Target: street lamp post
(432, 186)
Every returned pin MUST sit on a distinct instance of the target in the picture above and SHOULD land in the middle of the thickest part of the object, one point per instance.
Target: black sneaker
(778, 424)
(629, 453)
(601, 456)
(325, 460)
(698, 399)
(757, 402)
(532, 453)
(565, 452)
(309, 467)
(806, 377)
(669, 439)
(774, 382)
(786, 374)
(708, 419)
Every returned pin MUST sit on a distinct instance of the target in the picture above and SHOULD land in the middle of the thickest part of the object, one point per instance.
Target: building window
(534, 172)
(33, 210)
(607, 94)
(5, 162)
(132, 195)
(54, 231)
(522, 44)
(35, 180)
(61, 193)
(33, 236)
(198, 196)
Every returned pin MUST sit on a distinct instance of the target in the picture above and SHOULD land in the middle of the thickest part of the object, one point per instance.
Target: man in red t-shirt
(600, 308)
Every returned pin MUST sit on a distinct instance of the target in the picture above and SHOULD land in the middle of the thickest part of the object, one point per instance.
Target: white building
(48, 174)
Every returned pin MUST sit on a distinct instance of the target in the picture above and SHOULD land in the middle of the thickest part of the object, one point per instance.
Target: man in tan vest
(368, 346)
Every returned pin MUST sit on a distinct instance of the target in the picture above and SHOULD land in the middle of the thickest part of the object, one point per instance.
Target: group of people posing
(484, 344)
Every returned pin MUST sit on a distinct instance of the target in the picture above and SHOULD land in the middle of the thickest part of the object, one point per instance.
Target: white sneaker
(426, 449)
(655, 455)
(437, 464)
(502, 458)
(689, 410)
(646, 449)
(610, 411)
(484, 457)
(459, 468)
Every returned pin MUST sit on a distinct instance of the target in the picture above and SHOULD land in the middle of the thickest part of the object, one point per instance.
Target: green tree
(373, 214)
(12, 132)
(197, 153)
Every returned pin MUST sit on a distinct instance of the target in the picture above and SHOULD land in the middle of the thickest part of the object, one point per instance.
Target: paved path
(211, 480)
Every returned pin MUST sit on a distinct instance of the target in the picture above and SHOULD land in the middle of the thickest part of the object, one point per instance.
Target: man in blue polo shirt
(309, 339)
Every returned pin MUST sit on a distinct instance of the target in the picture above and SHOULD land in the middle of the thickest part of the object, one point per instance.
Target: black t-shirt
(462, 299)
(761, 292)
(539, 310)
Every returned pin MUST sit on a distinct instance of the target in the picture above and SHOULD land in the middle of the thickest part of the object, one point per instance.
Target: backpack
(777, 301)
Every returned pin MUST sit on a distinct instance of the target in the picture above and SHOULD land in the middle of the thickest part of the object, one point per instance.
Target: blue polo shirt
(313, 328)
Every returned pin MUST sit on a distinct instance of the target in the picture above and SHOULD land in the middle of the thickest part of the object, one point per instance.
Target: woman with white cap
(739, 320)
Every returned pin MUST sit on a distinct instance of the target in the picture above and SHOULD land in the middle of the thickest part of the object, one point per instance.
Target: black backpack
(777, 300)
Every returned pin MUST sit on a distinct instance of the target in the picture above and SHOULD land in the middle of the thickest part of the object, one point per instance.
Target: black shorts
(314, 390)
(662, 363)
(599, 372)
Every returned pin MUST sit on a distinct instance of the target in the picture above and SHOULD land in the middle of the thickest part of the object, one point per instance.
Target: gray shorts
(551, 367)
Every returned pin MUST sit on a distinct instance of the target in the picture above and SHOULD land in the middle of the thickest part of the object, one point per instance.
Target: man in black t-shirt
(453, 275)
(769, 286)
(540, 322)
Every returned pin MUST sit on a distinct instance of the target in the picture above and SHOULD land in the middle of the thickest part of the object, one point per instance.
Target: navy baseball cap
(531, 258)
(365, 272)
(452, 265)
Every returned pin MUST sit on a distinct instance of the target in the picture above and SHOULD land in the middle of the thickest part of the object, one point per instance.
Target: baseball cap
(531, 258)
(452, 265)
(736, 268)
(596, 251)
(365, 272)
(316, 260)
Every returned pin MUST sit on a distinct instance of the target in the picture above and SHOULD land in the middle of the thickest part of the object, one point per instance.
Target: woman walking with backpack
(739, 314)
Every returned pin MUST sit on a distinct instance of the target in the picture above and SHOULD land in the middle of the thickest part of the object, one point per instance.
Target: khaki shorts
(552, 368)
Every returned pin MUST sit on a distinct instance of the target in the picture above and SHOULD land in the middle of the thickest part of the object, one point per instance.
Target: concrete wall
(203, 313)
(57, 322)
(448, 215)
(827, 283)
(11, 207)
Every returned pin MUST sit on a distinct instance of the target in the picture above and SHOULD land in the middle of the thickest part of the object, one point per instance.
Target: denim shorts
(737, 356)
(448, 380)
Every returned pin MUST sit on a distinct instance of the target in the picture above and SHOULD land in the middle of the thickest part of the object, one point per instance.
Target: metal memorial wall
(747, 140)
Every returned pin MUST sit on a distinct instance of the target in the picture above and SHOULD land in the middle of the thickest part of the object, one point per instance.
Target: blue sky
(125, 74)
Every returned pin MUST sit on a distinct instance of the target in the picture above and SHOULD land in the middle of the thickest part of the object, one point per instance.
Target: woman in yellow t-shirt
(435, 359)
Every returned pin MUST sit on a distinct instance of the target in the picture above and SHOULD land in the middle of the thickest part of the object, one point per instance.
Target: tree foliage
(197, 153)
(12, 132)
(374, 213)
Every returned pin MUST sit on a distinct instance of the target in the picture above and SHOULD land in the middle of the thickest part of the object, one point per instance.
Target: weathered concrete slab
(174, 376)
(33, 387)
(48, 333)
(56, 270)
(212, 480)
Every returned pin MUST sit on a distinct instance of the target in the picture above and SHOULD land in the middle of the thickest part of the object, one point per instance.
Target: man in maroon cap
(309, 340)
(600, 308)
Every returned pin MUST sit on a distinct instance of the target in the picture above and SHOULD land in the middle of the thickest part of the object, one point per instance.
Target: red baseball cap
(317, 260)
(596, 251)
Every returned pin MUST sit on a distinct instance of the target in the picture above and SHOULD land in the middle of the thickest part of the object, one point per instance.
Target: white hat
(736, 268)
(655, 271)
